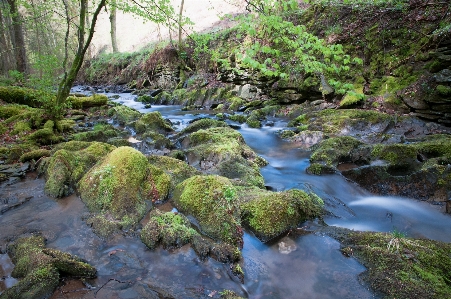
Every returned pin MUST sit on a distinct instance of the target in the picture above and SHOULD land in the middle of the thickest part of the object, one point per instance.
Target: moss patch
(152, 121)
(403, 267)
(334, 150)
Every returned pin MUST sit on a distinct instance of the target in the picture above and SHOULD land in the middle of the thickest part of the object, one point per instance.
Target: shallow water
(307, 266)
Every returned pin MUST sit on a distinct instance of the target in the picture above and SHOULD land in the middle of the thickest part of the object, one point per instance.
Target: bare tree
(18, 40)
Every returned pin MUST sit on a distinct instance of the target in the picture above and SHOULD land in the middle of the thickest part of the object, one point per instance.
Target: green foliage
(44, 76)
(362, 4)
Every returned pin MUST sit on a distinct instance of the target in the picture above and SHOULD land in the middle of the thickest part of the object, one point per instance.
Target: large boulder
(119, 189)
(222, 151)
(212, 201)
(69, 163)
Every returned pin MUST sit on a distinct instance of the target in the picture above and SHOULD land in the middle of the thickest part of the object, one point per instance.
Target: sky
(133, 33)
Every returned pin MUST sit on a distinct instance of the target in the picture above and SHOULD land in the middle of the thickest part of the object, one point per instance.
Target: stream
(306, 266)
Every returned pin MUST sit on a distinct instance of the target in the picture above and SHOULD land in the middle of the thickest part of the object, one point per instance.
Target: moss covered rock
(332, 151)
(178, 170)
(212, 201)
(121, 186)
(171, 230)
(66, 167)
(270, 214)
(152, 121)
(40, 268)
(400, 267)
(222, 151)
(123, 114)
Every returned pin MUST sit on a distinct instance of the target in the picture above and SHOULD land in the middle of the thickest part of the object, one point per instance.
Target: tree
(18, 38)
(83, 44)
(113, 26)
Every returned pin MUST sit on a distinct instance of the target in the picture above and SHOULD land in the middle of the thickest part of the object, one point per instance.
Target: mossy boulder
(335, 150)
(222, 151)
(121, 186)
(87, 102)
(171, 230)
(152, 121)
(123, 115)
(40, 268)
(269, 214)
(211, 200)
(400, 267)
(66, 167)
(203, 123)
(178, 170)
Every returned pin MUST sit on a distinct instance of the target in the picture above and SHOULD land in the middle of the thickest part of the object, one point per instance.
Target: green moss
(100, 132)
(121, 184)
(443, 90)
(40, 268)
(353, 98)
(65, 125)
(235, 103)
(223, 151)
(334, 150)
(176, 169)
(123, 114)
(172, 230)
(21, 128)
(35, 155)
(86, 102)
(332, 121)
(269, 214)
(10, 110)
(66, 167)
(238, 118)
(20, 95)
(44, 137)
(398, 155)
(152, 121)
(211, 200)
(204, 123)
(253, 122)
(402, 267)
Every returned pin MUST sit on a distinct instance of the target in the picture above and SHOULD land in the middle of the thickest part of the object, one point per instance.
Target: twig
(111, 279)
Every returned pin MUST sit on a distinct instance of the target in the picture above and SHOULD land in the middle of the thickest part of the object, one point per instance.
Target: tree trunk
(113, 26)
(180, 26)
(19, 42)
(69, 78)
(6, 62)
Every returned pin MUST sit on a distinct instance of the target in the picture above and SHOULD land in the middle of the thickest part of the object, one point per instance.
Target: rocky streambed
(217, 188)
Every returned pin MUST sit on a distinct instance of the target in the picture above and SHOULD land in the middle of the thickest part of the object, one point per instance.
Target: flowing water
(306, 266)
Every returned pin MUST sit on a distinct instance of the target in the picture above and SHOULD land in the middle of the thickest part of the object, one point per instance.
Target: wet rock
(306, 139)
(286, 245)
